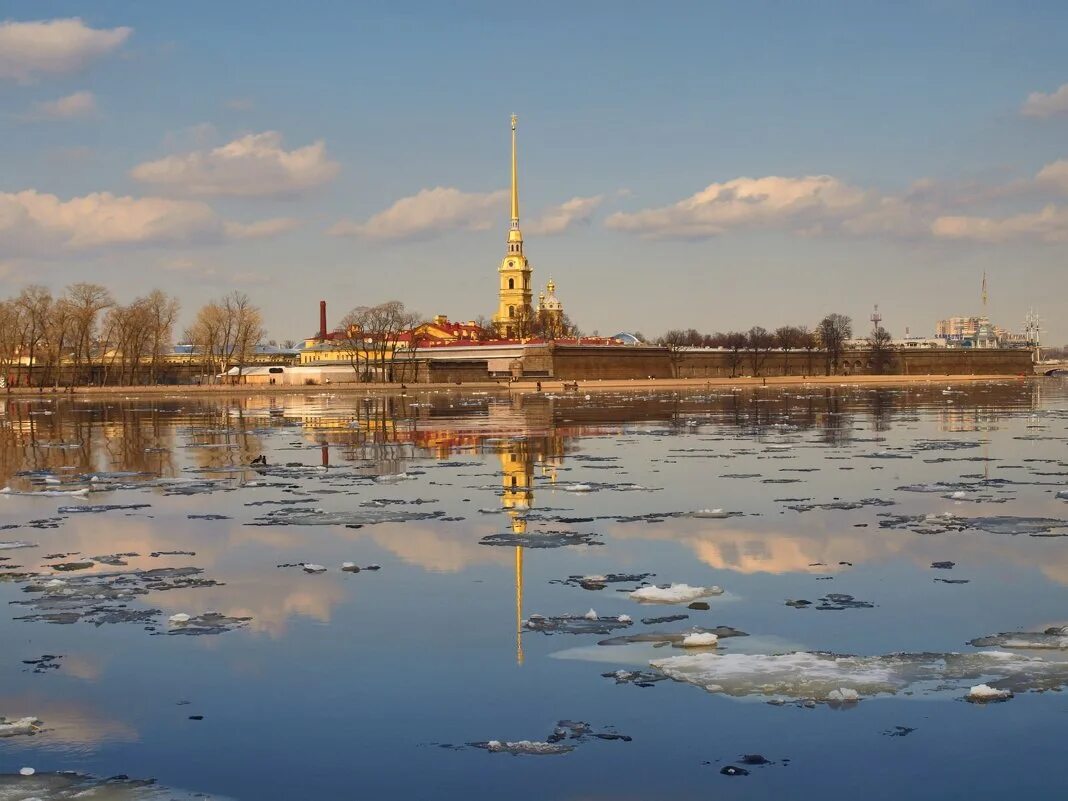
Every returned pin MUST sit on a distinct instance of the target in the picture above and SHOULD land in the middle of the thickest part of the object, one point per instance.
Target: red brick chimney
(322, 319)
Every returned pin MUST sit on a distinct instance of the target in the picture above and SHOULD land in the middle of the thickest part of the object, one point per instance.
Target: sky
(708, 165)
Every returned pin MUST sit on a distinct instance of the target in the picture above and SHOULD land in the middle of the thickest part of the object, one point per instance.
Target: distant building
(976, 332)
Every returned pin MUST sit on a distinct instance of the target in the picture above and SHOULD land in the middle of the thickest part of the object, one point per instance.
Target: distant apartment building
(977, 332)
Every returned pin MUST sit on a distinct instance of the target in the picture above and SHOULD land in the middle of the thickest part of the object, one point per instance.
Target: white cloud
(431, 212)
(79, 104)
(1048, 225)
(37, 222)
(53, 47)
(798, 203)
(1054, 175)
(558, 219)
(1039, 104)
(261, 229)
(255, 165)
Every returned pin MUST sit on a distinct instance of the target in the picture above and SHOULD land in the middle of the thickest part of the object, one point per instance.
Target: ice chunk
(525, 747)
(180, 618)
(13, 544)
(699, 640)
(824, 677)
(1052, 638)
(79, 493)
(26, 771)
(673, 594)
(591, 615)
(12, 728)
(578, 488)
(984, 693)
(575, 624)
(311, 567)
(844, 695)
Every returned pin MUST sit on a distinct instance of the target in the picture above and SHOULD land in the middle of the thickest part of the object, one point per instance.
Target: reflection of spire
(519, 605)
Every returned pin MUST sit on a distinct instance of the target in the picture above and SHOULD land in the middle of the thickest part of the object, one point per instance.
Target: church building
(516, 317)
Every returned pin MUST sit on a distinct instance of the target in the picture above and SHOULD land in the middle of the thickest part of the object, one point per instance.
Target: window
(275, 370)
(511, 283)
(511, 311)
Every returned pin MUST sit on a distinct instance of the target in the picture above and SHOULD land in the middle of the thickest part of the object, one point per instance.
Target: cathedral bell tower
(514, 312)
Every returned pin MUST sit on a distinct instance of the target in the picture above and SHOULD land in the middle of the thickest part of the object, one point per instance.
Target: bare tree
(734, 342)
(882, 354)
(87, 302)
(162, 312)
(759, 342)
(10, 339)
(209, 337)
(246, 323)
(351, 340)
(34, 304)
(808, 342)
(787, 338)
(833, 332)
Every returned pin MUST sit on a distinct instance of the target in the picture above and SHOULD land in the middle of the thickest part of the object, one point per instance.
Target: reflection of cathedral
(519, 457)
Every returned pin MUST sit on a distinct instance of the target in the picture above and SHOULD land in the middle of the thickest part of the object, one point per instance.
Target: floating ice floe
(589, 623)
(673, 594)
(1054, 638)
(540, 539)
(984, 693)
(101, 507)
(675, 639)
(578, 488)
(1001, 524)
(207, 623)
(701, 639)
(711, 514)
(46, 493)
(824, 677)
(13, 728)
(11, 545)
(566, 735)
(599, 582)
(355, 518)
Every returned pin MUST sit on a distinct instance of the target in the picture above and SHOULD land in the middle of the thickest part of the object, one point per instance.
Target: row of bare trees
(83, 336)
(755, 346)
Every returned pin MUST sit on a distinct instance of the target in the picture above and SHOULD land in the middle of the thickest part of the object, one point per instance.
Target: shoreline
(523, 387)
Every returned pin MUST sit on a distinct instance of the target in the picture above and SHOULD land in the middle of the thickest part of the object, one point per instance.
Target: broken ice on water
(63, 786)
(101, 598)
(18, 726)
(540, 539)
(1000, 524)
(566, 735)
(823, 677)
(292, 516)
(599, 582)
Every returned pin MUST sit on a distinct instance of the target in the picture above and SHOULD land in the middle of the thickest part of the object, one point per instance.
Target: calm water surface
(376, 684)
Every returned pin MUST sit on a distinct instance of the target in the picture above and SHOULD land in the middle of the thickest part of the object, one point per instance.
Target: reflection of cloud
(69, 721)
(779, 552)
(441, 551)
(83, 666)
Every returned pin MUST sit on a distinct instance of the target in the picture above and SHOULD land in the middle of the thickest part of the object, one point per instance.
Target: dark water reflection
(349, 684)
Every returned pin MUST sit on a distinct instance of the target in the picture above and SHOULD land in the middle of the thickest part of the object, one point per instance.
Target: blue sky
(684, 164)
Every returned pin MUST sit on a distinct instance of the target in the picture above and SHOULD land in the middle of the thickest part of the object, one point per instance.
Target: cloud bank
(37, 222)
(53, 47)
(256, 165)
(1042, 105)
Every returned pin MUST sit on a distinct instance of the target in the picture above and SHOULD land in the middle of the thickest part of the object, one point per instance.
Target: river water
(489, 644)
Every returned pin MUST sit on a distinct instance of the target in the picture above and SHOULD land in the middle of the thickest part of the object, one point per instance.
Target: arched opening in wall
(857, 365)
(511, 283)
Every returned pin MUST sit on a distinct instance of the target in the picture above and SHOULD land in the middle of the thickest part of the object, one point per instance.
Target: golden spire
(515, 180)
